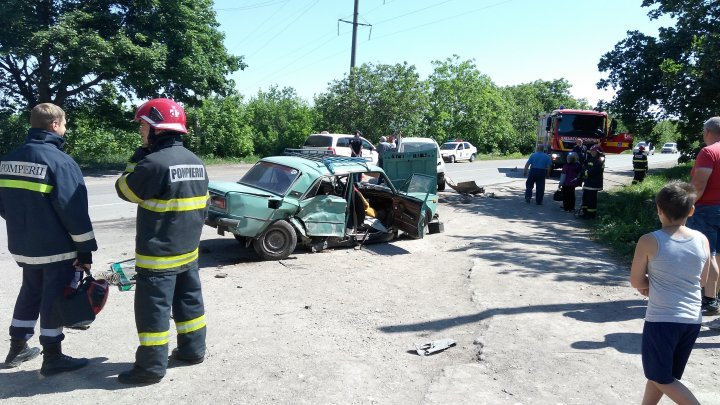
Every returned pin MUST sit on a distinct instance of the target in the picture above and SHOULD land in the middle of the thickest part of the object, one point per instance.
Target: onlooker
(640, 165)
(170, 186)
(45, 205)
(540, 166)
(569, 179)
(581, 151)
(383, 147)
(705, 176)
(592, 182)
(356, 145)
(668, 267)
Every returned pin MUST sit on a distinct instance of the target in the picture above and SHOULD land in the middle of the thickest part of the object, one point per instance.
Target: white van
(414, 144)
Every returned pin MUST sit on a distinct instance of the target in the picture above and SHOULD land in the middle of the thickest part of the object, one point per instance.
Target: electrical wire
(242, 41)
(253, 6)
(308, 8)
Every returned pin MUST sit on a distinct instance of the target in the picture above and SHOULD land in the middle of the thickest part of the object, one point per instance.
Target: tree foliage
(466, 104)
(676, 75)
(280, 119)
(375, 99)
(62, 51)
(220, 128)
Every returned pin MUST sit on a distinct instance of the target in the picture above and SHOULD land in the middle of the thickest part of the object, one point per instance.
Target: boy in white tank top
(669, 266)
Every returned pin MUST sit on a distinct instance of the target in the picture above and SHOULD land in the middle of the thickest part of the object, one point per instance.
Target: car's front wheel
(277, 243)
(452, 158)
(472, 157)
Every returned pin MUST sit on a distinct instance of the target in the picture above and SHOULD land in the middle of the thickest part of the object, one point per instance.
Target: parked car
(669, 147)
(339, 144)
(458, 150)
(416, 144)
(316, 200)
(649, 148)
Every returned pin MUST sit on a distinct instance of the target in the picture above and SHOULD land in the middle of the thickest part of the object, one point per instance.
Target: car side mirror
(274, 203)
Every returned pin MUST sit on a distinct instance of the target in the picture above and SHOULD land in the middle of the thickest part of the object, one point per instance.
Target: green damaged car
(317, 201)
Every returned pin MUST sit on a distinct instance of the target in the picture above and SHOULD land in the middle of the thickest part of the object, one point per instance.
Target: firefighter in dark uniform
(592, 181)
(640, 165)
(44, 202)
(170, 186)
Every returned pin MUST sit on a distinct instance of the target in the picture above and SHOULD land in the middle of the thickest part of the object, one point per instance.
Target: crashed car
(317, 200)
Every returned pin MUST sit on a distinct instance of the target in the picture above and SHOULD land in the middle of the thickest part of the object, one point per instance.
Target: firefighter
(640, 165)
(44, 202)
(592, 181)
(169, 184)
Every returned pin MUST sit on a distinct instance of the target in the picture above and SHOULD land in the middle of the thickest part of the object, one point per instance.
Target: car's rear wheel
(472, 157)
(441, 185)
(277, 243)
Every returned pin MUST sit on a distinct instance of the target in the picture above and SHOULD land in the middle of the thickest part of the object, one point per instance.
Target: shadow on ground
(21, 383)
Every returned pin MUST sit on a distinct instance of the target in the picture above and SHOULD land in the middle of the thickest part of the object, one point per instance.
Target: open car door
(409, 207)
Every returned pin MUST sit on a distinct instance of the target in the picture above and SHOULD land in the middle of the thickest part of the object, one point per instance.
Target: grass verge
(629, 212)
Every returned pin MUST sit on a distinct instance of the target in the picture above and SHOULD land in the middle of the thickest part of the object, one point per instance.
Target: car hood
(224, 187)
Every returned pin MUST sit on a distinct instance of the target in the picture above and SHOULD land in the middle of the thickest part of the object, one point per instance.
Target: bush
(629, 212)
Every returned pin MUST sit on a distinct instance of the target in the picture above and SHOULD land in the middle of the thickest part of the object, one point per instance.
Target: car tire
(240, 239)
(441, 185)
(277, 242)
(452, 158)
(472, 157)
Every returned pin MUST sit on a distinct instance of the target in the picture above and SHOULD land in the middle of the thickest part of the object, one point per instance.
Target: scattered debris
(434, 346)
(220, 275)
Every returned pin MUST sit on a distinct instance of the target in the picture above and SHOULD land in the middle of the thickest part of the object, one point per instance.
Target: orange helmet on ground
(162, 114)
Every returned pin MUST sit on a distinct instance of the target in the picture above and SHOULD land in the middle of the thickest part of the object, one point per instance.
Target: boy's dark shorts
(666, 347)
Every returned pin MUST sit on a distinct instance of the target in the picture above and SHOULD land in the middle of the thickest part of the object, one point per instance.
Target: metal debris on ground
(433, 347)
(220, 275)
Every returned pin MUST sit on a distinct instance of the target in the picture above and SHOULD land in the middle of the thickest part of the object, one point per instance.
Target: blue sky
(299, 43)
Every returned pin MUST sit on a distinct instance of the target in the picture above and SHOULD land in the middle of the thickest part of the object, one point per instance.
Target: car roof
(316, 169)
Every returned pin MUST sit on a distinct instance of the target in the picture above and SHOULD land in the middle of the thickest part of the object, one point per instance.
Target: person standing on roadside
(668, 267)
(581, 151)
(356, 145)
(705, 177)
(382, 147)
(170, 186)
(640, 165)
(539, 165)
(569, 179)
(44, 202)
(592, 182)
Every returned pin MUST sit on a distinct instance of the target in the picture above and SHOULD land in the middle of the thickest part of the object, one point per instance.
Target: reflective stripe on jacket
(169, 185)
(44, 202)
(640, 163)
(593, 175)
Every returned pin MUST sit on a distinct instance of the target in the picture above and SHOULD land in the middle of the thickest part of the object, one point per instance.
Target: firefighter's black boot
(20, 352)
(54, 361)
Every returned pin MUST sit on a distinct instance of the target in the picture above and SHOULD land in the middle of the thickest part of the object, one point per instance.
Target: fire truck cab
(559, 131)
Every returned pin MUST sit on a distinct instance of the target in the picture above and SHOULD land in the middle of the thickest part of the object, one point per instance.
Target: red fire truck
(559, 131)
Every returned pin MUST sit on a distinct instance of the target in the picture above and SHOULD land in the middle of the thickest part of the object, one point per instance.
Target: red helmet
(162, 113)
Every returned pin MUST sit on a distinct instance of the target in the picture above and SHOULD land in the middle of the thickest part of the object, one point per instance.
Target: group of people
(44, 202)
(582, 168)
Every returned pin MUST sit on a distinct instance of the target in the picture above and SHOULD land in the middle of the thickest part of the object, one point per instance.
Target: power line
(253, 6)
(284, 3)
(286, 27)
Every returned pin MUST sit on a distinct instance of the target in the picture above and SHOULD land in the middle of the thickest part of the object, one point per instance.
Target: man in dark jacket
(356, 145)
(170, 186)
(640, 165)
(593, 182)
(44, 202)
(581, 151)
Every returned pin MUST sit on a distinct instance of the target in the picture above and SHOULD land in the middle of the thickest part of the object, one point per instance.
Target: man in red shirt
(705, 177)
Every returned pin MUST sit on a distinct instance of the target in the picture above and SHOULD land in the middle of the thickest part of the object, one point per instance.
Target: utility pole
(354, 36)
(355, 24)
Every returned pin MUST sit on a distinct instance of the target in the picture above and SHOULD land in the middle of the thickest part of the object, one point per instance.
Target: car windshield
(271, 177)
(318, 141)
(416, 146)
(448, 146)
(592, 126)
(668, 145)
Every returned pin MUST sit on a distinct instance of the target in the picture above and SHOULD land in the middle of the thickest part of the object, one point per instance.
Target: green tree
(376, 99)
(280, 119)
(62, 51)
(466, 104)
(673, 76)
(220, 127)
